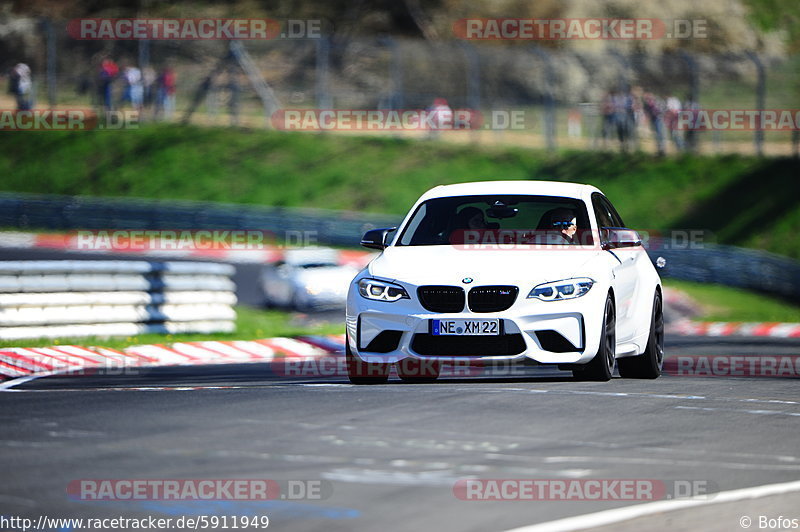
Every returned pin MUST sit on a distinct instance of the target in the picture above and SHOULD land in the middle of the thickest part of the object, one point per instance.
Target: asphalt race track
(388, 456)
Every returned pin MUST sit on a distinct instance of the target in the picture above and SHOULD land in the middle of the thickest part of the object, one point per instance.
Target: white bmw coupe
(506, 271)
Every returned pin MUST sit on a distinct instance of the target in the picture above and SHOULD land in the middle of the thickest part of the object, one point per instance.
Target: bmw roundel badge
(466, 280)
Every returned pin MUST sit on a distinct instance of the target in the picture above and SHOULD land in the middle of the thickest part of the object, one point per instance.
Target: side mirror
(617, 237)
(376, 238)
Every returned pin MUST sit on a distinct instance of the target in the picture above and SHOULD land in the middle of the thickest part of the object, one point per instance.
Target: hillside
(742, 200)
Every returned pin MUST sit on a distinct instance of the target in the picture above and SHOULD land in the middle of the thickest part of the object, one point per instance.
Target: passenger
(470, 218)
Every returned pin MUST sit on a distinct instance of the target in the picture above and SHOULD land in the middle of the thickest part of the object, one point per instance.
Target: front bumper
(578, 321)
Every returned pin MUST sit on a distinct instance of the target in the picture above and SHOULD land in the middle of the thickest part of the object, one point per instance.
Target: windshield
(526, 219)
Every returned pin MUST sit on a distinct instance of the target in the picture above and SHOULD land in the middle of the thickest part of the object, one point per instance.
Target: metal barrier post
(396, 71)
(50, 38)
(473, 77)
(549, 98)
(761, 97)
(323, 94)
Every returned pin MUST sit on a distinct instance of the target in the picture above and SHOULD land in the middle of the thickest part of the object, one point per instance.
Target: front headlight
(314, 289)
(381, 290)
(558, 290)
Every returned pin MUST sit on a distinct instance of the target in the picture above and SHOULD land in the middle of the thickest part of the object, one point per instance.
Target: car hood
(420, 265)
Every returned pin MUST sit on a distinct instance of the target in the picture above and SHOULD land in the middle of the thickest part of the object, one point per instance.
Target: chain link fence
(566, 96)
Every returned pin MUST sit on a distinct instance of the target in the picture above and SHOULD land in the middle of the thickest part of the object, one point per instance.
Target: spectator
(653, 108)
(574, 119)
(108, 73)
(134, 90)
(442, 117)
(165, 103)
(620, 109)
(148, 85)
(671, 121)
(634, 115)
(607, 111)
(21, 85)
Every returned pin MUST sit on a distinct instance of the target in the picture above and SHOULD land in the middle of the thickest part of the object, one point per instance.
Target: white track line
(608, 517)
(7, 385)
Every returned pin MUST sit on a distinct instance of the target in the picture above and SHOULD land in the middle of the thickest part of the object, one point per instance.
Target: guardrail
(728, 265)
(45, 211)
(65, 298)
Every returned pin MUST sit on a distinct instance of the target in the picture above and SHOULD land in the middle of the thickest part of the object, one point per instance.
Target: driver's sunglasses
(563, 224)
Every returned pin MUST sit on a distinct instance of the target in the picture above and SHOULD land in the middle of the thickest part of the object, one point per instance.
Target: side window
(604, 218)
(615, 217)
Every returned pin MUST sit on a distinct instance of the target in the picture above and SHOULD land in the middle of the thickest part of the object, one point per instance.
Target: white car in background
(506, 271)
(307, 279)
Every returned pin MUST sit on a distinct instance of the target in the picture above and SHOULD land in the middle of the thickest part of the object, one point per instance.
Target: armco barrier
(729, 265)
(49, 299)
(44, 211)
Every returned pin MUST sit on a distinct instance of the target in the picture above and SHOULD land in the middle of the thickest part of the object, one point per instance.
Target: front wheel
(648, 365)
(360, 372)
(301, 302)
(601, 367)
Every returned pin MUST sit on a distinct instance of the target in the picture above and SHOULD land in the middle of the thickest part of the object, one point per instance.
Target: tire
(418, 371)
(601, 367)
(300, 303)
(360, 372)
(648, 365)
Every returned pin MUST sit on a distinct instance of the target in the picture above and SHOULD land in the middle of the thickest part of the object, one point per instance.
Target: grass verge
(740, 200)
(724, 303)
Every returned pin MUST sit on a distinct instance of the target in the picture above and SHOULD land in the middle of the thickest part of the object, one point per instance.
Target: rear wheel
(301, 302)
(418, 371)
(360, 372)
(648, 365)
(601, 368)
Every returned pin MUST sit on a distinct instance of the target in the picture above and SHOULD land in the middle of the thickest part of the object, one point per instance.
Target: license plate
(463, 327)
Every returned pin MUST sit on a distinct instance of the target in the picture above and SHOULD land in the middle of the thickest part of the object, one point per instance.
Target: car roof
(524, 187)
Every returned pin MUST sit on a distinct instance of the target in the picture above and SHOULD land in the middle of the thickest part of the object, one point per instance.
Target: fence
(66, 298)
(560, 89)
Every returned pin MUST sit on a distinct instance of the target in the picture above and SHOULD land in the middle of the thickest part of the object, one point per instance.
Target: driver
(564, 221)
